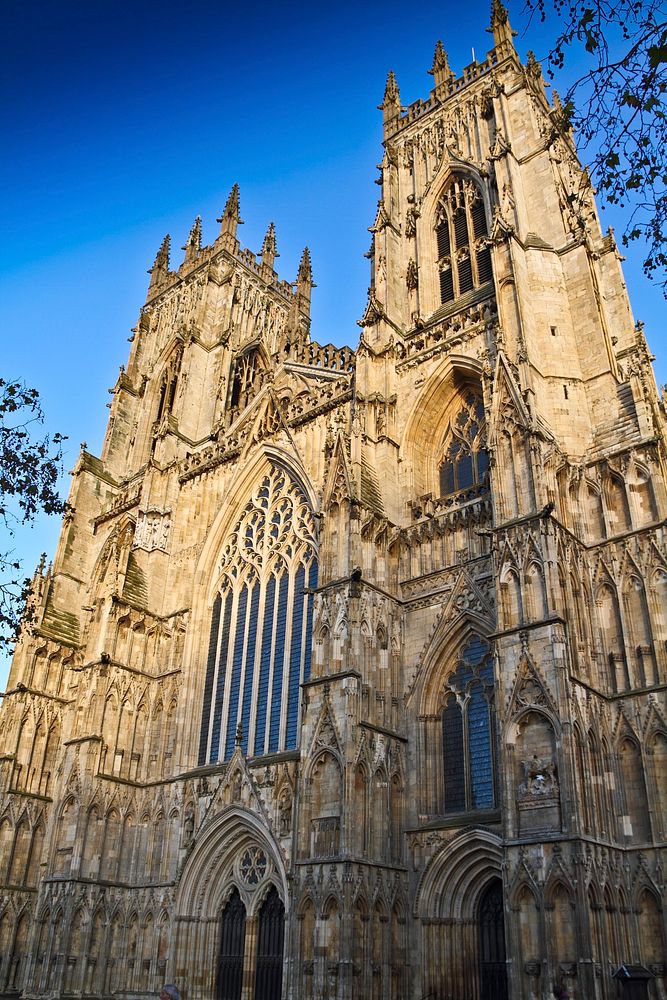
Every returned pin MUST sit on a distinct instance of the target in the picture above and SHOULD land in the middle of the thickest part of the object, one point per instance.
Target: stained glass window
(467, 732)
(253, 865)
(261, 624)
(465, 460)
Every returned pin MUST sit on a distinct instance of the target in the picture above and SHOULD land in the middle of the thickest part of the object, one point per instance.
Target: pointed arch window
(169, 384)
(469, 755)
(462, 240)
(232, 948)
(246, 379)
(270, 945)
(261, 624)
(465, 460)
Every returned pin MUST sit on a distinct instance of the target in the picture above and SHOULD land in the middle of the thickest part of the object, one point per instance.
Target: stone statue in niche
(539, 778)
(236, 787)
(188, 827)
(285, 814)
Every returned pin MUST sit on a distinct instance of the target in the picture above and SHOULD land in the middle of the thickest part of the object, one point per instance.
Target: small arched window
(465, 461)
(167, 394)
(246, 378)
(169, 384)
(462, 238)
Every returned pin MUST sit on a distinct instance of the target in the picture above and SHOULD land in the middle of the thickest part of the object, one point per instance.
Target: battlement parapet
(419, 109)
(340, 359)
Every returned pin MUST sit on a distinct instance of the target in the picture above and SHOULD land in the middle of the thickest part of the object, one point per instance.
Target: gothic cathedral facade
(348, 677)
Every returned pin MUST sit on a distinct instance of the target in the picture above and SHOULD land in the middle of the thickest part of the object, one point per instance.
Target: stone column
(250, 957)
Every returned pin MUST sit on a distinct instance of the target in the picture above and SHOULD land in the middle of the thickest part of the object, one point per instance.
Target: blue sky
(124, 121)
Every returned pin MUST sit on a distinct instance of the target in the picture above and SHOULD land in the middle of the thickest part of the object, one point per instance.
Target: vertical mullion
(211, 673)
(226, 676)
(287, 658)
(467, 764)
(310, 598)
(472, 243)
(222, 661)
(452, 252)
(272, 661)
(257, 663)
(278, 662)
(248, 675)
(265, 663)
(235, 678)
(295, 657)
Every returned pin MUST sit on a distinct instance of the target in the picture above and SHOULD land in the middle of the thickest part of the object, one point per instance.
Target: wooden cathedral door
(493, 971)
(232, 947)
(269, 968)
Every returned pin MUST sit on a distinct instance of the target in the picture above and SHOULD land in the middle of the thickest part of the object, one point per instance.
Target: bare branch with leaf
(617, 108)
(30, 467)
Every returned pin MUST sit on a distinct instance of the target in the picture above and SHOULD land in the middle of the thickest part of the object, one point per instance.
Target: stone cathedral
(348, 677)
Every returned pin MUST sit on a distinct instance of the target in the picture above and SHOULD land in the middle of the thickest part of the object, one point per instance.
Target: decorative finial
(499, 13)
(304, 283)
(269, 251)
(230, 217)
(532, 64)
(500, 26)
(440, 70)
(304, 275)
(193, 245)
(160, 268)
(391, 91)
(391, 104)
(239, 735)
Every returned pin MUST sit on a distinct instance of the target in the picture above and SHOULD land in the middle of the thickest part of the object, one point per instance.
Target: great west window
(261, 624)
(462, 238)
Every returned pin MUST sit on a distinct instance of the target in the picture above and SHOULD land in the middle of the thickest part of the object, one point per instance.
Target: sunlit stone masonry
(348, 676)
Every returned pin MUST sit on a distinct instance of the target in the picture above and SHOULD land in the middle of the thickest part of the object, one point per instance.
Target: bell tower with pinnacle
(347, 679)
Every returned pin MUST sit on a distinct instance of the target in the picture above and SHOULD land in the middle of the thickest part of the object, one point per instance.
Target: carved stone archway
(448, 902)
(235, 866)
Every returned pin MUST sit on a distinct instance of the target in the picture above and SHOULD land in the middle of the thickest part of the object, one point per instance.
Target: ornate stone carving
(540, 779)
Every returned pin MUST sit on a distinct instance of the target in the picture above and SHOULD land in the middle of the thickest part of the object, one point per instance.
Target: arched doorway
(270, 941)
(492, 968)
(228, 875)
(232, 945)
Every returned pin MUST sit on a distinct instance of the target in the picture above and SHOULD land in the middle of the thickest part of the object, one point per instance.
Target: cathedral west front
(347, 679)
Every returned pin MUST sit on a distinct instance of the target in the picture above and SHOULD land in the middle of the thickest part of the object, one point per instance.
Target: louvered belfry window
(246, 379)
(261, 624)
(462, 238)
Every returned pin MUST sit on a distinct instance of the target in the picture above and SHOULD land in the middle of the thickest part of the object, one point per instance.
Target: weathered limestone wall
(459, 791)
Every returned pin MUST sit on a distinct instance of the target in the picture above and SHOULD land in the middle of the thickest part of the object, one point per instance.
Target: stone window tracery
(253, 865)
(246, 379)
(169, 385)
(261, 624)
(468, 732)
(462, 239)
(465, 461)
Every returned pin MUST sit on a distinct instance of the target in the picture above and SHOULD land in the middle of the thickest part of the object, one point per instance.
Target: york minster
(347, 678)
